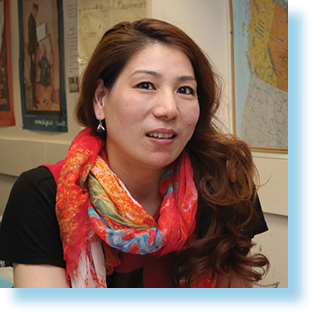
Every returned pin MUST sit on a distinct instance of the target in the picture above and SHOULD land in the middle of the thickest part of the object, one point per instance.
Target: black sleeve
(29, 232)
(262, 225)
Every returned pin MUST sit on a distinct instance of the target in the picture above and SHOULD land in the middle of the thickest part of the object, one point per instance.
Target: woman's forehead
(156, 57)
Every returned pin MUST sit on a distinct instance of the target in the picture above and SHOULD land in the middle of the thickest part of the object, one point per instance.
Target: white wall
(207, 22)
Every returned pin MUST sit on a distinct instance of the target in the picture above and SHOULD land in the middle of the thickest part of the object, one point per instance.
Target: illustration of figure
(32, 50)
(45, 68)
(45, 74)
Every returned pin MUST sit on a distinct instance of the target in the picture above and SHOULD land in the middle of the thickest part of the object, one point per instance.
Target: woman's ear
(98, 100)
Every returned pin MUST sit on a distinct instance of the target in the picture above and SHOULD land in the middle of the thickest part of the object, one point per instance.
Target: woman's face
(152, 110)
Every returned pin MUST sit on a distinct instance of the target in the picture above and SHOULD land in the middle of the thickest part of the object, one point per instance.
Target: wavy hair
(224, 171)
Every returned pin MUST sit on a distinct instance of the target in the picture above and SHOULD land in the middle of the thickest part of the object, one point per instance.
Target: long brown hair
(224, 171)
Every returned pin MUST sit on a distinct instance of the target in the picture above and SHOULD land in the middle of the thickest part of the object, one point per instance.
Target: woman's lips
(162, 133)
(162, 136)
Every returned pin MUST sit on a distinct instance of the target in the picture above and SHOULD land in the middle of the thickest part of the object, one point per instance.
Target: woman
(151, 193)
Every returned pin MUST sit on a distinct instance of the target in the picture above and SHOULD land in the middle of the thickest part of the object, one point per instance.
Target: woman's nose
(166, 106)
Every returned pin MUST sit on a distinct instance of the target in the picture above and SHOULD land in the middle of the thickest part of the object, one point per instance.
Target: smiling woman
(147, 113)
(151, 193)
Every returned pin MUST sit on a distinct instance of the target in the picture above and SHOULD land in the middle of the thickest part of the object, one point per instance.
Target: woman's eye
(186, 90)
(146, 86)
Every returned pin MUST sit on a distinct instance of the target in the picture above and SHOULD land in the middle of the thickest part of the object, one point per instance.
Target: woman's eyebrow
(186, 78)
(149, 72)
(159, 75)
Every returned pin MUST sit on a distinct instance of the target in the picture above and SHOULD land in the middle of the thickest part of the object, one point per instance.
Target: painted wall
(208, 23)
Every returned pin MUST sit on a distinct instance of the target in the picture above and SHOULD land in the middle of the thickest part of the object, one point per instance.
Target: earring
(100, 128)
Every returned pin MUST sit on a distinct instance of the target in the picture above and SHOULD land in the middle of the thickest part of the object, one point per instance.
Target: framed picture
(6, 103)
(42, 77)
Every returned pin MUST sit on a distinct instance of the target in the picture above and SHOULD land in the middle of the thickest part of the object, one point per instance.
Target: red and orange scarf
(97, 214)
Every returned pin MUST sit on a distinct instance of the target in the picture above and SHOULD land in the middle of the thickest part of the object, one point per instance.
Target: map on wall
(260, 73)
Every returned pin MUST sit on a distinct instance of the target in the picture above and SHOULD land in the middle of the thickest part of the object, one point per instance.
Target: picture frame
(42, 78)
(6, 99)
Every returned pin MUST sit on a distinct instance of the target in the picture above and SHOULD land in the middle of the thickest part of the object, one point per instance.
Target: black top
(29, 232)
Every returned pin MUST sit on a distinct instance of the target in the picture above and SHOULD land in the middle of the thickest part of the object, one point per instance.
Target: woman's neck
(143, 185)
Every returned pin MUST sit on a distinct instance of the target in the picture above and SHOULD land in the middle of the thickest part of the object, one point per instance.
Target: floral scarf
(98, 216)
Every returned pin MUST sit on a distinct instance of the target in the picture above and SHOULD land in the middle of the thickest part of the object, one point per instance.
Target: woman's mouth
(160, 135)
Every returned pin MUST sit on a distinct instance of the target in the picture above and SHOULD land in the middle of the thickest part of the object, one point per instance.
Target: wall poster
(6, 99)
(260, 73)
(96, 17)
(42, 76)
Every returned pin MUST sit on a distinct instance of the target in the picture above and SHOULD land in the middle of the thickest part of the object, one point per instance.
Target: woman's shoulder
(30, 232)
(36, 175)
(33, 194)
(35, 187)
(38, 179)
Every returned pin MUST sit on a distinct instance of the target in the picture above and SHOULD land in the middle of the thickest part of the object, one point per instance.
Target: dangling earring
(100, 128)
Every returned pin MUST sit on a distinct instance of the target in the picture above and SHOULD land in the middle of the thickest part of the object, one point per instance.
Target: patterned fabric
(98, 216)
(206, 282)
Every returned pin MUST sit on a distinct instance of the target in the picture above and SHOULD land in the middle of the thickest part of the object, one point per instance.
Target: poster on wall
(42, 77)
(96, 17)
(6, 99)
(260, 73)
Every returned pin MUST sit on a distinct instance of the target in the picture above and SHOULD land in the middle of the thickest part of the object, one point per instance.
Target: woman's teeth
(160, 135)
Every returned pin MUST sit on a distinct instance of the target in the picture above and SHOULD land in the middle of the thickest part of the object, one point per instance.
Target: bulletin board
(95, 17)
